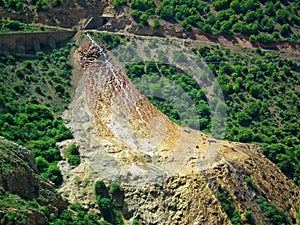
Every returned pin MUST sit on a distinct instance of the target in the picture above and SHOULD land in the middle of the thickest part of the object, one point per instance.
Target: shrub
(142, 5)
(114, 188)
(74, 160)
(41, 164)
(55, 3)
(117, 3)
(275, 215)
(101, 189)
(144, 19)
(53, 173)
(167, 12)
(13, 25)
(156, 24)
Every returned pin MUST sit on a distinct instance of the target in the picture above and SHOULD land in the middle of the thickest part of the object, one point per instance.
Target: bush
(101, 189)
(13, 25)
(117, 3)
(156, 24)
(142, 5)
(73, 160)
(55, 3)
(41, 164)
(53, 173)
(144, 19)
(275, 216)
(167, 12)
(114, 188)
(285, 30)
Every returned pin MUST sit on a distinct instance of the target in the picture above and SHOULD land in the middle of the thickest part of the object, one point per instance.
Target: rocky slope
(20, 185)
(170, 174)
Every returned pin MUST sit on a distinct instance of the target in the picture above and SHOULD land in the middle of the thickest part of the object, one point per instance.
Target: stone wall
(25, 42)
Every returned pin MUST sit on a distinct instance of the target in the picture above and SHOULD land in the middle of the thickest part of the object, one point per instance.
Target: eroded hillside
(170, 174)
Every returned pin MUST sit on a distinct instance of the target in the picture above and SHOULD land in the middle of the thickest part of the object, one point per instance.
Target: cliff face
(20, 183)
(170, 174)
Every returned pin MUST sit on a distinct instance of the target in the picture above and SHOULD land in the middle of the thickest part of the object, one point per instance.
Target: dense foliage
(270, 20)
(270, 211)
(274, 215)
(31, 90)
(21, 6)
(261, 92)
(73, 155)
(106, 202)
(229, 206)
(262, 99)
(75, 215)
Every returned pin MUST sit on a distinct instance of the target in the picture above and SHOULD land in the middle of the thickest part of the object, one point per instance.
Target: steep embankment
(26, 197)
(170, 174)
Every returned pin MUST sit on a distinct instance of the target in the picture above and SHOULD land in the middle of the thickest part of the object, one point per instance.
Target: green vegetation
(31, 90)
(143, 9)
(33, 198)
(22, 209)
(165, 100)
(267, 19)
(106, 203)
(262, 102)
(117, 3)
(114, 188)
(109, 41)
(156, 24)
(250, 184)
(229, 206)
(73, 155)
(135, 221)
(21, 6)
(274, 215)
(7, 26)
(75, 215)
(260, 93)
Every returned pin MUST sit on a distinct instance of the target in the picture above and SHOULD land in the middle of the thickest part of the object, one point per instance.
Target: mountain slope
(26, 197)
(170, 174)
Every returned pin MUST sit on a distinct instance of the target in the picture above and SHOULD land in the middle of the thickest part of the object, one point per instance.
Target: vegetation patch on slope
(31, 91)
(265, 21)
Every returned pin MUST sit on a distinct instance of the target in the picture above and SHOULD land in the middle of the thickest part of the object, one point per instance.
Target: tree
(107, 206)
(285, 30)
(250, 16)
(73, 160)
(142, 5)
(117, 3)
(41, 164)
(220, 4)
(167, 12)
(282, 16)
(270, 9)
(114, 188)
(53, 173)
(101, 189)
(243, 118)
(144, 19)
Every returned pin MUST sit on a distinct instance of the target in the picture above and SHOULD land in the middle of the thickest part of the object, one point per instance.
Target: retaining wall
(24, 42)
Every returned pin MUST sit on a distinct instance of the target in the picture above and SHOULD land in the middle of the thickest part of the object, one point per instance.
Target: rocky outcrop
(170, 174)
(181, 200)
(17, 173)
(19, 183)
